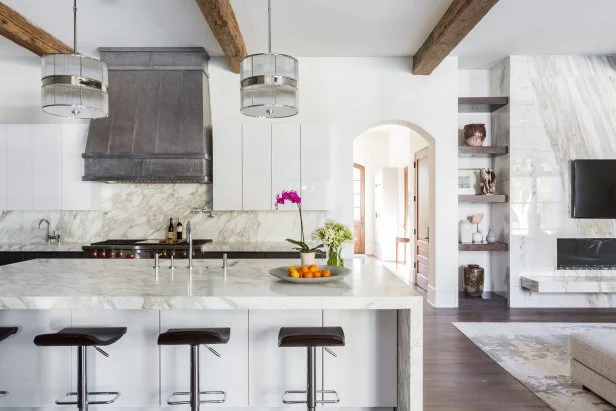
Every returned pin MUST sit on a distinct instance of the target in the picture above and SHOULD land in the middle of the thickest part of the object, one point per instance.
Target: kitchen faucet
(190, 245)
(55, 236)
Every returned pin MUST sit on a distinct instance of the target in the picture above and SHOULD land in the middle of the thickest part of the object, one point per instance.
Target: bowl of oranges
(310, 274)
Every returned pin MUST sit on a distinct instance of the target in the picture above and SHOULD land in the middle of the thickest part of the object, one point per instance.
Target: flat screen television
(593, 188)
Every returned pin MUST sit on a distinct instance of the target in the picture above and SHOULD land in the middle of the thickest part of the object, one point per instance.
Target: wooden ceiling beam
(16, 28)
(221, 19)
(459, 19)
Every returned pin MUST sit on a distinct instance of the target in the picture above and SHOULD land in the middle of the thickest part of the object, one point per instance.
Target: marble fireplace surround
(143, 211)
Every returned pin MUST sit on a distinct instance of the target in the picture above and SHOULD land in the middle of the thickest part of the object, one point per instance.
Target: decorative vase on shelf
(473, 280)
(307, 258)
(334, 257)
(474, 134)
(466, 232)
(490, 237)
(477, 237)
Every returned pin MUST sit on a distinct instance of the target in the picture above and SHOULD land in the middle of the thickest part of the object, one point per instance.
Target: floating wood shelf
(498, 246)
(494, 198)
(486, 151)
(481, 104)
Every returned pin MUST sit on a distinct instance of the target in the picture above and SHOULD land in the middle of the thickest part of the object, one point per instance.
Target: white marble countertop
(41, 247)
(261, 246)
(133, 284)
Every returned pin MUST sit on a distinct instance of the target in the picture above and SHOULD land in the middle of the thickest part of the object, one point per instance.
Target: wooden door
(422, 218)
(359, 208)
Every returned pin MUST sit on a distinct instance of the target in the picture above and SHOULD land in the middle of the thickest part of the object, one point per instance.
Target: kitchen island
(381, 366)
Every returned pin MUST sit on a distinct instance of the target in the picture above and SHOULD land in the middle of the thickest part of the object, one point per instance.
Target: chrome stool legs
(82, 393)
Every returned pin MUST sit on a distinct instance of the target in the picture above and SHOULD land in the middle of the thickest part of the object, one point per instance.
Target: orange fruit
(305, 269)
(317, 274)
(294, 273)
(327, 273)
(308, 275)
(292, 268)
(313, 268)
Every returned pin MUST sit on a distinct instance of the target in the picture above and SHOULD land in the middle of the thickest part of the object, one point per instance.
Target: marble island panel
(134, 284)
(41, 247)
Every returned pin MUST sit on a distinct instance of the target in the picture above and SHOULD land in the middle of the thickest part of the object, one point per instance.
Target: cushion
(596, 350)
(580, 374)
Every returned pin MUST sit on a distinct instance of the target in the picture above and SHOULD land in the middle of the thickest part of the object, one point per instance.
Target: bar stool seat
(6, 332)
(82, 338)
(194, 337)
(311, 338)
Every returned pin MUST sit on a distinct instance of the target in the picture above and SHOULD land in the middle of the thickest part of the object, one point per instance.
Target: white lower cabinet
(33, 376)
(365, 371)
(228, 373)
(133, 365)
(274, 370)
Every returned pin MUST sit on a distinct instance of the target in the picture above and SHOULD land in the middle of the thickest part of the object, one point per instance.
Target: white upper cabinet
(2, 168)
(47, 167)
(227, 167)
(286, 157)
(257, 167)
(76, 193)
(315, 167)
(18, 166)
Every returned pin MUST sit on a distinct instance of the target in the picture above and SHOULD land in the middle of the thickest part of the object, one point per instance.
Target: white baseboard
(442, 299)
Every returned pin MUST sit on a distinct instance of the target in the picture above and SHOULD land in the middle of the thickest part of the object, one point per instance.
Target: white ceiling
(332, 27)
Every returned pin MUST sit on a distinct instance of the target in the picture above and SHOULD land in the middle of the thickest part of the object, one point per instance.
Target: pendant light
(269, 81)
(73, 85)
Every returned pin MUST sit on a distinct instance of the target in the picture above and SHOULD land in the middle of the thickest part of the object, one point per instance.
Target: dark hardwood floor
(459, 376)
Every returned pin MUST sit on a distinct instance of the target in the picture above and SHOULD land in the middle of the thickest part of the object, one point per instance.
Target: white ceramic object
(466, 232)
(490, 237)
(477, 237)
(307, 258)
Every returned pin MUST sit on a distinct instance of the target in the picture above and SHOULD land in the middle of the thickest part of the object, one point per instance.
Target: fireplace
(586, 253)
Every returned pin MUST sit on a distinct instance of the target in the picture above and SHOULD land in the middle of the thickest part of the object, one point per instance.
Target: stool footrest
(115, 395)
(336, 400)
(222, 398)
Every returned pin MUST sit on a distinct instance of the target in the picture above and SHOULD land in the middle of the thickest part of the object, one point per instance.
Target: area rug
(537, 354)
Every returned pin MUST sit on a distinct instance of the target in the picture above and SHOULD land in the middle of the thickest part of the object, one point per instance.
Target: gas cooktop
(143, 248)
(142, 243)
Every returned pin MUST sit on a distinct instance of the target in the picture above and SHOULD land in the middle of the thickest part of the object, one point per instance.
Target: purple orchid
(292, 197)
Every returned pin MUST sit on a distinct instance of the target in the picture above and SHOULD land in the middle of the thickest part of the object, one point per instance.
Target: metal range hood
(159, 128)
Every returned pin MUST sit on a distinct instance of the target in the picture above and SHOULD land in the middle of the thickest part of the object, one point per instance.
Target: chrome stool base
(220, 400)
(115, 395)
(336, 400)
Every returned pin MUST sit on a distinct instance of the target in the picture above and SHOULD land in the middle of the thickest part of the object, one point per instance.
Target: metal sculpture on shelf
(488, 181)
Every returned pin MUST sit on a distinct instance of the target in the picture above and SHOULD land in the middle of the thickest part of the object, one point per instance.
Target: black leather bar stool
(196, 337)
(82, 338)
(311, 337)
(6, 332)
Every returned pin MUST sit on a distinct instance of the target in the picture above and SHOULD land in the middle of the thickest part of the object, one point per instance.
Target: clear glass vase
(334, 257)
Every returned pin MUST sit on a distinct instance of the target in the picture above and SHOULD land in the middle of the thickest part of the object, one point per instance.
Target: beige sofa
(593, 362)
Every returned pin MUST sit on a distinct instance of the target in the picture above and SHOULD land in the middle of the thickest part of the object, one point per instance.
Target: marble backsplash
(143, 211)
(562, 108)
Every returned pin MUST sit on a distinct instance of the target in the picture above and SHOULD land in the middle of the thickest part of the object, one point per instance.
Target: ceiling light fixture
(269, 81)
(73, 85)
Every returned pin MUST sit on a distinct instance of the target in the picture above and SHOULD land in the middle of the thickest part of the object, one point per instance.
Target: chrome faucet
(55, 236)
(190, 245)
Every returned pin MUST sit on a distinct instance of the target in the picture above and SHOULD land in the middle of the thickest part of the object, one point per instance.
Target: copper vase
(474, 134)
(473, 280)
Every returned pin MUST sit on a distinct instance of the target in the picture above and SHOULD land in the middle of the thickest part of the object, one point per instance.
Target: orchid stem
(301, 222)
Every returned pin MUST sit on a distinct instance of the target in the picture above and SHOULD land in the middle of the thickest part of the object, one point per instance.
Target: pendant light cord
(269, 26)
(74, 26)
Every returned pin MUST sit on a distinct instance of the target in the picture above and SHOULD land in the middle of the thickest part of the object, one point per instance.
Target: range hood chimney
(159, 128)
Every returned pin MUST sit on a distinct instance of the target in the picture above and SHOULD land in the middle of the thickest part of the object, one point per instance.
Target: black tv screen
(593, 189)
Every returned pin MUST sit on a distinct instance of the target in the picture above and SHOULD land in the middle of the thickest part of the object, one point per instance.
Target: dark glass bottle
(179, 230)
(170, 232)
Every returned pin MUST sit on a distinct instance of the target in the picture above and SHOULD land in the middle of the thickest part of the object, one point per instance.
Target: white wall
(355, 94)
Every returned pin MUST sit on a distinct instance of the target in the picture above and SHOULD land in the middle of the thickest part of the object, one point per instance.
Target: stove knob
(109, 254)
(165, 254)
(92, 254)
(184, 254)
(100, 254)
(130, 255)
(119, 254)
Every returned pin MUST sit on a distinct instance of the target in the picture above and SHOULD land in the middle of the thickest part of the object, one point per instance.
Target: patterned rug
(537, 354)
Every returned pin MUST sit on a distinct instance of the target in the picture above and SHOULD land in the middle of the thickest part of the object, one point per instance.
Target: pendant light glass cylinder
(269, 85)
(74, 86)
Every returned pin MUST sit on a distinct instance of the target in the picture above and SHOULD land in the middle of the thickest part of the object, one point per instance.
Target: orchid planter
(307, 258)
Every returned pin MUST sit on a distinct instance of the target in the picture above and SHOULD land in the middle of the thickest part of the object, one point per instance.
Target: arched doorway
(386, 155)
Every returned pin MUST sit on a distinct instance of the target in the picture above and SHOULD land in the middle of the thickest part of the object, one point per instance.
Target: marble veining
(143, 211)
(572, 282)
(134, 284)
(561, 109)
